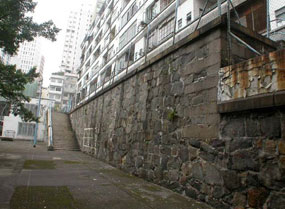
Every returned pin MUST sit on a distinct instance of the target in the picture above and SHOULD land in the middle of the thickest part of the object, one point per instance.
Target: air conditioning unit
(141, 52)
(143, 24)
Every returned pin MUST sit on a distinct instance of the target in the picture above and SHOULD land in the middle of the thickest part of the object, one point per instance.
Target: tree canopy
(11, 89)
(17, 26)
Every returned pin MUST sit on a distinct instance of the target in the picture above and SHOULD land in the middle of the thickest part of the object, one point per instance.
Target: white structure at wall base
(16, 128)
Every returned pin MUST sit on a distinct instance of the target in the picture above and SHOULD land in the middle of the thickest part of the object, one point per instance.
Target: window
(129, 14)
(26, 129)
(57, 89)
(189, 17)
(153, 42)
(153, 10)
(179, 23)
(166, 30)
(128, 35)
(280, 19)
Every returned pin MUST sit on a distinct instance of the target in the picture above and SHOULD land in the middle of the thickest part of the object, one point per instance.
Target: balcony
(56, 84)
(55, 92)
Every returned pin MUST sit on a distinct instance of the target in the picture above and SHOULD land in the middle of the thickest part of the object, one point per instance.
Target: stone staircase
(63, 136)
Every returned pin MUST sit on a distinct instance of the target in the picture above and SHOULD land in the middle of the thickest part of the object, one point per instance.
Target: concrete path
(91, 183)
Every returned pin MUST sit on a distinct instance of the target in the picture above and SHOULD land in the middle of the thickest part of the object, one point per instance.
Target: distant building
(62, 89)
(78, 23)
(55, 88)
(69, 90)
(44, 92)
(27, 57)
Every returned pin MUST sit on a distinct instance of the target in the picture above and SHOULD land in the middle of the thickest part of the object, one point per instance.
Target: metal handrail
(50, 132)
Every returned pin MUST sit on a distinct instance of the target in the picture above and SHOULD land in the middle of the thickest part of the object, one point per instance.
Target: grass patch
(39, 164)
(151, 188)
(117, 173)
(71, 162)
(37, 197)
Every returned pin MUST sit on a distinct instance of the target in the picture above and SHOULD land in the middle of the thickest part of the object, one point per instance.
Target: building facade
(55, 88)
(62, 89)
(127, 33)
(29, 56)
(78, 23)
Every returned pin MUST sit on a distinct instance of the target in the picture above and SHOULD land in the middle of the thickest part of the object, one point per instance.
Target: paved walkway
(90, 183)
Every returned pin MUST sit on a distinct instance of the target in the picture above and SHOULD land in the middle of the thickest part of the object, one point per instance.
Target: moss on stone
(71, 162)
(39, 164)
(152, 188)
(36, 197)
(172, 115)
(116, 172)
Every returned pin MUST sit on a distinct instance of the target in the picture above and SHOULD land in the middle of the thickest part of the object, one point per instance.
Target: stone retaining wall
(163, 124)
(254, 157)
(260, 75)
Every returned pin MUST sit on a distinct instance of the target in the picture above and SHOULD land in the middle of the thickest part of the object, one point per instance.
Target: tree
(11, 89)
(17, 26)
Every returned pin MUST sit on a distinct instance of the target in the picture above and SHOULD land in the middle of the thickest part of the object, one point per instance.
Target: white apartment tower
(78, 23)
(29, 56)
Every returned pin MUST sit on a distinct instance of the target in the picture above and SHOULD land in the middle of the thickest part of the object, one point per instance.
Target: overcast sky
(57, 11)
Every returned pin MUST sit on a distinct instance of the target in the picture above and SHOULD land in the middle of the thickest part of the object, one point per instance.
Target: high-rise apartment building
(79, 21)
(29, 56)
